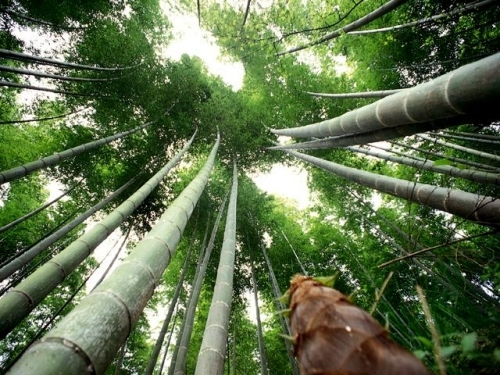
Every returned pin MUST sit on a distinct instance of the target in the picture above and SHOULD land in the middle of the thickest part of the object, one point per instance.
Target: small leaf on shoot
(469, 342)
(439, 162)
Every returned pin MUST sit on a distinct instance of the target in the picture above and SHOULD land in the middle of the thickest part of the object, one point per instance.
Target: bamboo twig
(411, 255)
(432, 327)
(379, 294)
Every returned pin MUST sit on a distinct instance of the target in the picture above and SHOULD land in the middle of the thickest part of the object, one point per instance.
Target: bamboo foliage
(213, 346)
(19, 301)
(471, 89)
(87, 339)
(481, 209)
(24, 170)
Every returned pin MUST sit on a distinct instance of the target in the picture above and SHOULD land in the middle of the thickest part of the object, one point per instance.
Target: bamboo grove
(134, 237)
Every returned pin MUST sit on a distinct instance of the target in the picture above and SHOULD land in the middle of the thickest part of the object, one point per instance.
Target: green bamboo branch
(40, 88)
(473, 139)
(35, 73)
(374, 136)
(475, 135)
(485, 167)
(429, 249)
(35, 211)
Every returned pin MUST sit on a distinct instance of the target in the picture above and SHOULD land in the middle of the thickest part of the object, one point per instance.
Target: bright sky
(190, 39)
(286, 182)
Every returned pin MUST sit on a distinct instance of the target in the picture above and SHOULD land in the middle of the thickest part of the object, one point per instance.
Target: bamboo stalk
(28, 294)
(88, 338)
(471, 89)
(481, 209)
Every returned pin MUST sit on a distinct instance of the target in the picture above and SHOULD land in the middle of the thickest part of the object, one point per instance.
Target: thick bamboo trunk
(377, 13)
(179, 358)
(213, 347)
(481, 209)
(471, 89)
(166, 322)
(378, 135)
(88, 338)
(18, 302)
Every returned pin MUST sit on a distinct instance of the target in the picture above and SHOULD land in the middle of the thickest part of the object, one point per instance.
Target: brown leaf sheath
(334, 337)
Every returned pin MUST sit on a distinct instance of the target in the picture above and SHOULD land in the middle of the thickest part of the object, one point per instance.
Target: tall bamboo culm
(213, 346)
(88, 338)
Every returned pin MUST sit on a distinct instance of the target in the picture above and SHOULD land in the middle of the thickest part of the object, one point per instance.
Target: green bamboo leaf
(425, 341)
(469, 342)
(442, 162)
(446, 351)
(328, 281)
(420, 354)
